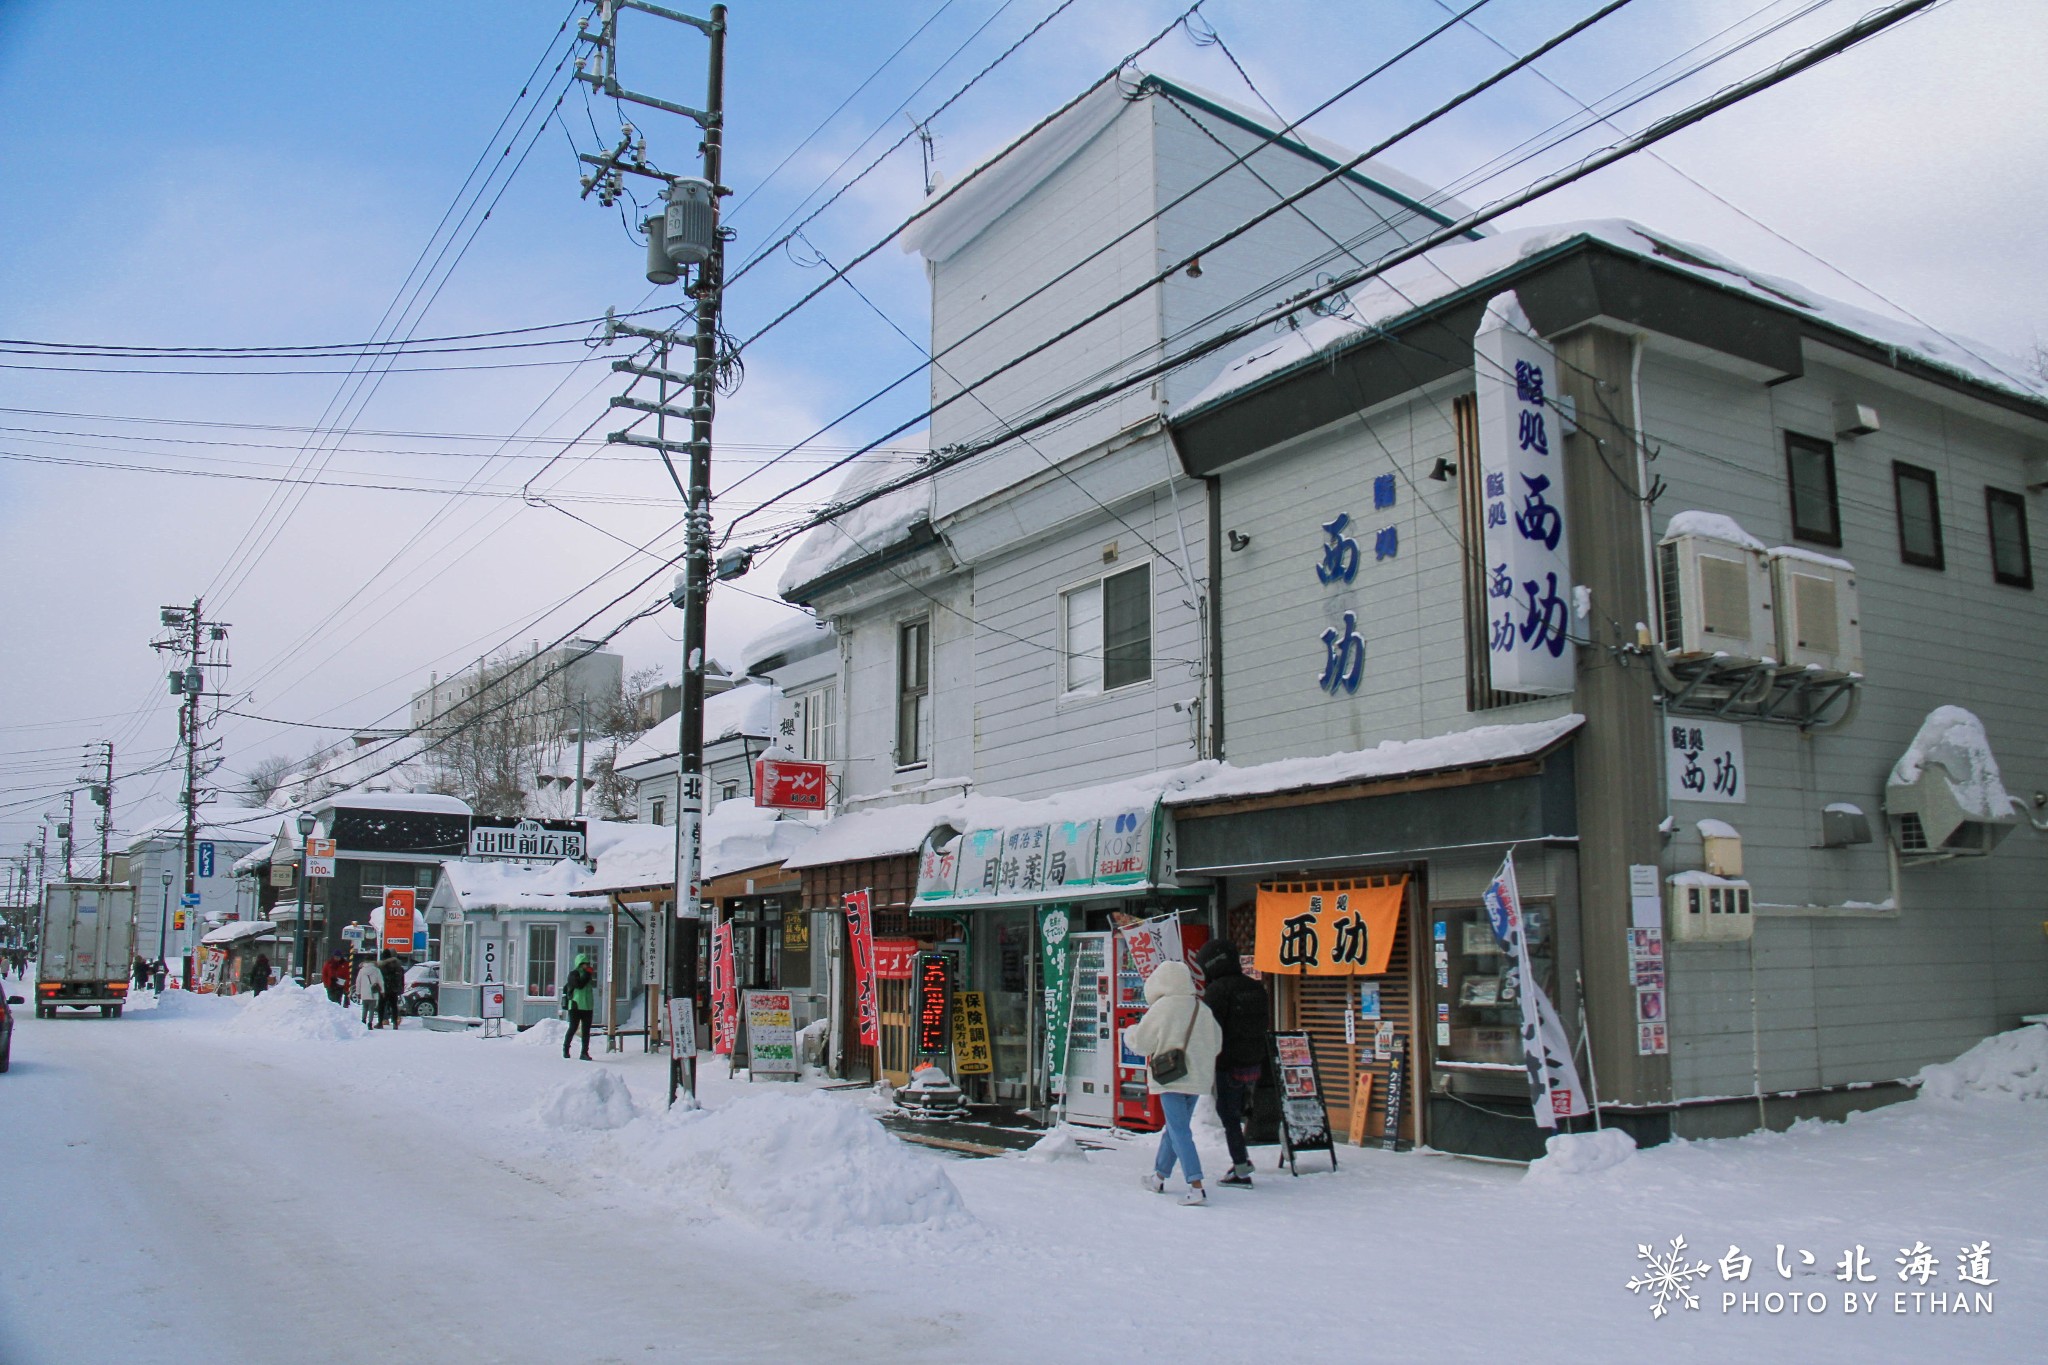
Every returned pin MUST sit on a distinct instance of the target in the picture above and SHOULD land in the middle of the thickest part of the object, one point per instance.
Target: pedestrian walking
(1244, 1014)
(259, 974)
(579, 996)
(369, 986)
(334, 975)
(139, 973)
(1179, 1039)
(393, 982)
(158, 974)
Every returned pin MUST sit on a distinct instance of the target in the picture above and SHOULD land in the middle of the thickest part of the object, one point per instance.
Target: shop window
(1810, 474)
(1107, 626)
(540, 959)
(1480, 694)
(2012, 558)
(1919, 506)
(1479, 1014)
(913, 692)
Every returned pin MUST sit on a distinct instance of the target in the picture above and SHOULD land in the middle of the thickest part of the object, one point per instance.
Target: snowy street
(223, 1181)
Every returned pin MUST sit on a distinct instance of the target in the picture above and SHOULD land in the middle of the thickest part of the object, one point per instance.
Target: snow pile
(176, 1003)
(1713, 526)
(303, 1014)
(1566, 1155)
(546, 1033)
(596, 1100)
(2008, 1066)
(1953, 740)
(803, 1163)
(1060, 1144)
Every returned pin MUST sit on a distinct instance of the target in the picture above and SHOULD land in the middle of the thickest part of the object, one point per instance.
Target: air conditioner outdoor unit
(1710, 909)
(1717, 598)
(1928, 821)
(1818, 622)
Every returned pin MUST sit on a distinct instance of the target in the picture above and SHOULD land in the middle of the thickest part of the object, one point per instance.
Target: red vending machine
(1136, 1107)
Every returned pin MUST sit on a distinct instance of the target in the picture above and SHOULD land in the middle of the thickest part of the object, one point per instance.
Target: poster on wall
(860, 947)
(1528, 549)
(1304, 1116)
(771, 1034)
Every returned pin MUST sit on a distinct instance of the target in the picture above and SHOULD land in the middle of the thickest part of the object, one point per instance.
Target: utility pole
(687, 234)
(189, 634)
(582, 731)
(64, 830)
(102, 793)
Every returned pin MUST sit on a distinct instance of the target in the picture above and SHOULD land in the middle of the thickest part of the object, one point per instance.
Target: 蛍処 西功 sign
(1306, 930)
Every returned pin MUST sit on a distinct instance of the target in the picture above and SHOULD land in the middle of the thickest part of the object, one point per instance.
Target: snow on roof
(430, 802)
(1459, 266)
(737, 835)
(967, 211)
(886, 522)
(1954, 741)
(799, 637)
(1810, 557)
(747, 710)
(491, 885)
(1395, 758)
(640, 855)
(1714, 526)
(239, 930)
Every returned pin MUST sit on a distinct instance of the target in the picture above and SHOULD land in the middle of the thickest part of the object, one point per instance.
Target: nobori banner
(491, 837)
(1041, 862)
(1528, 550)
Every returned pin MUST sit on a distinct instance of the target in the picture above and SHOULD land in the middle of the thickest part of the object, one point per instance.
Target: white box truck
(87, 947)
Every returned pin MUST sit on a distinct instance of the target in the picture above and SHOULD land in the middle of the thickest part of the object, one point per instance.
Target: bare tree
(264, 777)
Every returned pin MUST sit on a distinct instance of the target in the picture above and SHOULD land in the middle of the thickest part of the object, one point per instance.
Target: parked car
(422, 994)
(7, 1027)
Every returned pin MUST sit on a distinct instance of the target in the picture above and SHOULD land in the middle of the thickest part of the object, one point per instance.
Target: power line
(1812, 56)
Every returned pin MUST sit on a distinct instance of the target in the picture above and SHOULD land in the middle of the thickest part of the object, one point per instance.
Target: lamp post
(163, 924)
(306, 826)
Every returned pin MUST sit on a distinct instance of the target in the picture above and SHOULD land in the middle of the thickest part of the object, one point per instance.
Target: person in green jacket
(579, 994)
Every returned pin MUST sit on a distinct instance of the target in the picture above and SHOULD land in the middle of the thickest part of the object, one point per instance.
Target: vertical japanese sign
(971, 1053)
(860, 945)
(1554, 1088)
(1528, 553)
(934, 1004)
(1703, 761)
(725, 1011)
(1053, 929)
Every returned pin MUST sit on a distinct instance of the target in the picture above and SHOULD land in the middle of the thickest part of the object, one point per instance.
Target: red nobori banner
(894, 958)
(725, 1011)
(786, 784)
(860, 938)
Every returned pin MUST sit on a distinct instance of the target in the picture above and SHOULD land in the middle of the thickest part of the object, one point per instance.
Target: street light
(306, 826)
(163, 923)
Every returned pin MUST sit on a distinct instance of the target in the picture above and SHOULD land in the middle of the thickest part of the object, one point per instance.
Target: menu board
(771, 1033)
(1304, 1117)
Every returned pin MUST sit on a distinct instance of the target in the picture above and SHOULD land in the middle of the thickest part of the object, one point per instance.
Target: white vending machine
(1091, 1056)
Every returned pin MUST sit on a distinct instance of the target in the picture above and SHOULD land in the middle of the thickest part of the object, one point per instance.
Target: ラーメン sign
(504, 838)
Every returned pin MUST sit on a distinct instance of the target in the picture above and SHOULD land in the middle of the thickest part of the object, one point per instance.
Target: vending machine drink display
(1090, 1062)
(1136, 1107)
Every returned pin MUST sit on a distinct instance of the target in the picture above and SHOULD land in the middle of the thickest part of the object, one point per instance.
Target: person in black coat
(259, 975)
(394, 986)
(1241, 1007)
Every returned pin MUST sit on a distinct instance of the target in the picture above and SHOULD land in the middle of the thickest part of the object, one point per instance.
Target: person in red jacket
(334, 976)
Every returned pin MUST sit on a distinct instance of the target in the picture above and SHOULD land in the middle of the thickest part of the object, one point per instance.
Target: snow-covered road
(202, 1183)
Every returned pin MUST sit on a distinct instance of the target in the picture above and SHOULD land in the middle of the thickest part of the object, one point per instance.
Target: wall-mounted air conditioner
(1709, 909)
(1945, 797)
(1716, 590)
(1819, 625)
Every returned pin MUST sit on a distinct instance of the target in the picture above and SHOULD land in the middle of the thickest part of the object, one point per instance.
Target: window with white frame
(913, 692)
(1107, 627)
(817, 723)
(657, 810)
(540, 959)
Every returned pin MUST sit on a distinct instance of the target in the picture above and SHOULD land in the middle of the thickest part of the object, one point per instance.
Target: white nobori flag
(1554, 1087)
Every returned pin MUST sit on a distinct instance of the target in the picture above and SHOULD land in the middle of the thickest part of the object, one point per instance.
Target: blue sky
(221, 174)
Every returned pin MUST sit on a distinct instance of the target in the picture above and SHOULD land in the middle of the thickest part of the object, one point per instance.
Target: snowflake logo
(1668, 1278)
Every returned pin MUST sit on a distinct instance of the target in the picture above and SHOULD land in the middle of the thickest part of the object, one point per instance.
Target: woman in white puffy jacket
(1175, 1017)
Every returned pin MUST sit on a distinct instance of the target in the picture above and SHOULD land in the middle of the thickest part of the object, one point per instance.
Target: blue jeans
(1176, 1139)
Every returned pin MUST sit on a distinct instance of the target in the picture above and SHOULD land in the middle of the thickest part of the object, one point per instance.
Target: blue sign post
(189, 899)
